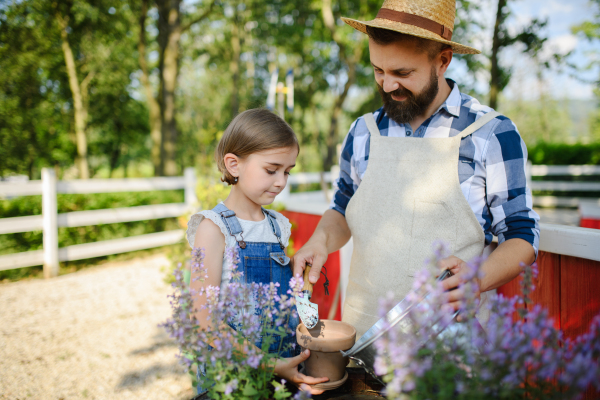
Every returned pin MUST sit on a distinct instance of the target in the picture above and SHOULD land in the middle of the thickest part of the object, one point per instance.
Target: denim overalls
(262, 262)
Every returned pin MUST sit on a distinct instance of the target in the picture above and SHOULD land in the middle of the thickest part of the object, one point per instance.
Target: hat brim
(408, 30)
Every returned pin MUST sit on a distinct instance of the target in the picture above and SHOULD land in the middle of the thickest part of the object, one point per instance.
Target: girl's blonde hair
(250, 132)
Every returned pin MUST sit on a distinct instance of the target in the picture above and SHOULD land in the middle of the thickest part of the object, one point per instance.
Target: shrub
(545, 153)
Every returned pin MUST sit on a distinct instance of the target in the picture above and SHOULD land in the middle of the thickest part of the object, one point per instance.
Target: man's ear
(232, 163)
(444, 58)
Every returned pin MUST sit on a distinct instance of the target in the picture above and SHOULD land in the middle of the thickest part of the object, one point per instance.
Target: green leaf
(249, 391)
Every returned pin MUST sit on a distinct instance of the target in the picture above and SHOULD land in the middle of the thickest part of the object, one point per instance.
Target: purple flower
(514, 358)
(252, 310)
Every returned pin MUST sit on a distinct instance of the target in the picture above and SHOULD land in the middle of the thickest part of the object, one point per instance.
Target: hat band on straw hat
(415, 20)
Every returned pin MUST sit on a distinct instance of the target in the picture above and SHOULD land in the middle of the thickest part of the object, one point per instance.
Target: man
(431, 164)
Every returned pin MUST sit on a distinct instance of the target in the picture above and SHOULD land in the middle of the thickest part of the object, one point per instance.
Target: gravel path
(90, 335)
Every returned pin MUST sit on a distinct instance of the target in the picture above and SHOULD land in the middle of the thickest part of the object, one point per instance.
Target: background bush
(564, 154)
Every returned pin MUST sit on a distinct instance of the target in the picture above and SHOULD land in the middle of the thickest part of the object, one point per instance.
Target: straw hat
(427, 19)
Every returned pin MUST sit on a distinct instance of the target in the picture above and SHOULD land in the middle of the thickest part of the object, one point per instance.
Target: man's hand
(314, 252)
(331, 234)
(287, 368)
(459, 268)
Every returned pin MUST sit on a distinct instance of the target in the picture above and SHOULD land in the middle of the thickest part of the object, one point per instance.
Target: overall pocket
(257, 270)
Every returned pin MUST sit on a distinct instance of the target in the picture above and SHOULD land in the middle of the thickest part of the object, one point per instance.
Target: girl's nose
(281, 180)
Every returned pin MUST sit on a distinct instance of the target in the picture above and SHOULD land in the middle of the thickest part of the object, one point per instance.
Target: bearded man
(431, 164)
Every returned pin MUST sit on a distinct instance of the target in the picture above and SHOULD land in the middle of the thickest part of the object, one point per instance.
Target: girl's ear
(232, 163)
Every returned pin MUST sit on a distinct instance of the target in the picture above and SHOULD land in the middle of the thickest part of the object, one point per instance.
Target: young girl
(255, 156)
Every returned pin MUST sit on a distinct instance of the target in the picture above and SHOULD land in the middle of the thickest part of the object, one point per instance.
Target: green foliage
(31, 205)
(36, 102)
(564, 154)
(590, 30)
(543, 120)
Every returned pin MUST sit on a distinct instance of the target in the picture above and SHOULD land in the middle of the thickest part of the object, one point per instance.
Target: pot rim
(327, 345)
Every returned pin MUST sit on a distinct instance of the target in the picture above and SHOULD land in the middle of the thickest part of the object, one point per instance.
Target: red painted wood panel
(580, 299)
(303, 227)
(569, 288)
(589, 223)
(547, 285)
(580, 294)
(512, 289)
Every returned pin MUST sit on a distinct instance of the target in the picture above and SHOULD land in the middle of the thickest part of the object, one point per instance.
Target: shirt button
(408, 133)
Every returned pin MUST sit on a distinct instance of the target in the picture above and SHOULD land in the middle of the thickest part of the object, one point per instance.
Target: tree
(171, 25)
(531, 36)
(53, 116)
(33, 113)
(590, 30)
(83, 26)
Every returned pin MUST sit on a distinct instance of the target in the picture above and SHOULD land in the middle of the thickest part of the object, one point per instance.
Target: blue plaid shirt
(491, 165)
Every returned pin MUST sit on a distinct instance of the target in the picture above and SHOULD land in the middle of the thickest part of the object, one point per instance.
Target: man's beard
(405, 111)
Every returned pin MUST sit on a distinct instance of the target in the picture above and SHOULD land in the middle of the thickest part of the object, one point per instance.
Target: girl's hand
(287, 368)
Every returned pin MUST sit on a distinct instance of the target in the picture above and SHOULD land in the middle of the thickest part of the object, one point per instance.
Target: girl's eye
(287, 172)
(270, 172)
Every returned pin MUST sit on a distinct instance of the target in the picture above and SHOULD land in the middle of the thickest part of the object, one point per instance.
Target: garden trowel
(308, 312)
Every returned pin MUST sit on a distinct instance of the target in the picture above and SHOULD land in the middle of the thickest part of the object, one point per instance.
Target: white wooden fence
(50, 220)
(561, 186)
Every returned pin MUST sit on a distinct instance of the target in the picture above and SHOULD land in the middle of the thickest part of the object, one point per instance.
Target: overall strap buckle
(231, 222)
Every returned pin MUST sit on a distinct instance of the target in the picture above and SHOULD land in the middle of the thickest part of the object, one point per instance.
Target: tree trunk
(332, 140)
(80, 110)
(350, 59)
(234, 65)
(495, 68)
(153, 106)
(170, 25)
(170, 29)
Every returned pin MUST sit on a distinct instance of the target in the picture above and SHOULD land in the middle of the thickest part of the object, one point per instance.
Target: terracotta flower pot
(325, 341)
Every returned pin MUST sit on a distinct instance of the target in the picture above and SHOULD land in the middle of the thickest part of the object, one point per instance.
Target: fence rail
(50, 220)
(558, 170)
(561, 186)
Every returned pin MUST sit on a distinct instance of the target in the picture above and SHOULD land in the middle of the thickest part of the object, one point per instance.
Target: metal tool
(308, 312)
(364, 352)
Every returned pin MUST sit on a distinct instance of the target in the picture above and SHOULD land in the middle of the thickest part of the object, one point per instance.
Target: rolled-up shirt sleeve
(345, 185)
(509, 198)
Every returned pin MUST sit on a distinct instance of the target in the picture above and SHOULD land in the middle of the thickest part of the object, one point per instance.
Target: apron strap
(371, 124)
(479, 123)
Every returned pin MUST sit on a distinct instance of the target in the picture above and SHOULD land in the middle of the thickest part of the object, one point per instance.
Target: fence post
(50, 227)
(335, 174)
(189, 175)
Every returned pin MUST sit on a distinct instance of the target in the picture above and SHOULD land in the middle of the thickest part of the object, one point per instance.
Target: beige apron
(409, 197)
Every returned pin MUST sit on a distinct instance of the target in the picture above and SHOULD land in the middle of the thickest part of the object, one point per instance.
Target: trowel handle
(308, 287)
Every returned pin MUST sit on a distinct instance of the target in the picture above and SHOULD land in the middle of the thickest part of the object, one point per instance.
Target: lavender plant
(437, 358)
(233, 369)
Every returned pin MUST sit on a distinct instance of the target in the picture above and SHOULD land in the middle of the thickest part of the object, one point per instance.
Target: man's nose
(390, 84)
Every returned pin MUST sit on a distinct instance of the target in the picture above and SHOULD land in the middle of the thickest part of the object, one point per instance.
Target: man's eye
(270, 172)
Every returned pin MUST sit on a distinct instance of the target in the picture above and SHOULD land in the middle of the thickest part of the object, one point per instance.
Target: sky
(562, 15)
